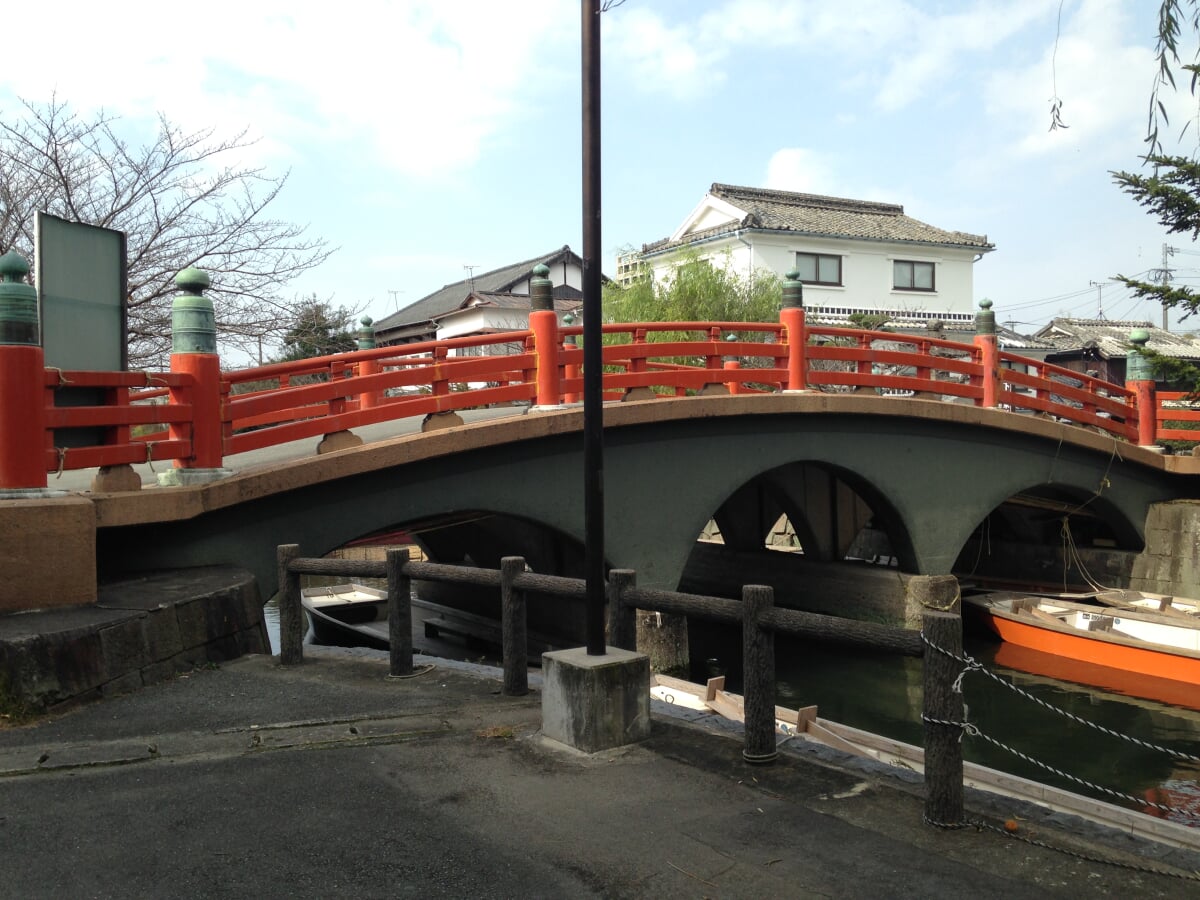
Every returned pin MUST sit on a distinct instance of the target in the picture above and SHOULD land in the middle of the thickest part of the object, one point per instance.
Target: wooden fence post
(758, 675)
(400, 639)
(622, 616)
(514, 643)
(291, 615)
(943, 742)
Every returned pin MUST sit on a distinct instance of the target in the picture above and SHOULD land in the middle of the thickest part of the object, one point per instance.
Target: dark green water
(883, 694)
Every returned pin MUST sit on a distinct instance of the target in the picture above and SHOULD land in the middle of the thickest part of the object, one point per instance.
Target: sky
(423, 138)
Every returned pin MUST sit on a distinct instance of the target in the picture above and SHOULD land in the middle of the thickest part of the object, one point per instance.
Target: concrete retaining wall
(1170, 564)
(47, 553)
(143, 629)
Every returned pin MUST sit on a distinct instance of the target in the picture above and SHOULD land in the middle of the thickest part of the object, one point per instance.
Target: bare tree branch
(181, 200)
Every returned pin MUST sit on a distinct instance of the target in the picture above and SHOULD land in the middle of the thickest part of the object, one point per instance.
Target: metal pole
(593, 411)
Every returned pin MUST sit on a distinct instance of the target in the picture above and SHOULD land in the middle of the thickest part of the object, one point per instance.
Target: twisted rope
(972, 665)
(973, 730)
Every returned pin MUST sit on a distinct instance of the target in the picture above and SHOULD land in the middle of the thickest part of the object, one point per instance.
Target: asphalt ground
(330, 779)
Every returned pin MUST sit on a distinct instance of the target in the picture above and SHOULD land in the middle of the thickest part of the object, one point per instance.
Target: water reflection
(883, 694)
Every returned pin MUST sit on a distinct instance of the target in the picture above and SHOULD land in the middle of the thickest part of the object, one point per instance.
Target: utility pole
(395, 302)
(593, 411)
(1163, 276)
(1099, 298)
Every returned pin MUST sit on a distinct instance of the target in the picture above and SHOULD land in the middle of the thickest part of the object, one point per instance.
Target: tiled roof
(451, 296)
(1111, 338)
(566, 299)
(819, 216)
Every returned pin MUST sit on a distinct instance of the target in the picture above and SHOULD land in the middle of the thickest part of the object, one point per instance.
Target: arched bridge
(924, 445)
(926, 475)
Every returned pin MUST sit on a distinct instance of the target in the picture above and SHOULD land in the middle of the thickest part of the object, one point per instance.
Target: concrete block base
(438, 421)
(595, 703)
(112, 479)
(338, 440)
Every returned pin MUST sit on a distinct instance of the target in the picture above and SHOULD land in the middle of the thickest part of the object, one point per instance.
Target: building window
(819, 268)
(912, 276)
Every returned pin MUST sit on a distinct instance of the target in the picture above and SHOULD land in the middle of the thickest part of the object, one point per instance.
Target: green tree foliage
(1174, 17)
(696, 291)
(1171, 190)
(318, 329)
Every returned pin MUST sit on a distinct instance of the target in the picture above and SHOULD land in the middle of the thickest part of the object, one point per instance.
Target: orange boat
(1157, 639)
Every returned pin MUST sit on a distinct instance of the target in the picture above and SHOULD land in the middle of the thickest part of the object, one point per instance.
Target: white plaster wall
(866, 271)
(481, 319)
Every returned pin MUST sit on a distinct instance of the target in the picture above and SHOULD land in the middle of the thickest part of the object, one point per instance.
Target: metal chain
(1086, 857)
(973, 731)
(971, 665)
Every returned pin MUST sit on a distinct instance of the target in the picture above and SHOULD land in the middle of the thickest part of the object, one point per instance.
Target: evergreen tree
(319, 330)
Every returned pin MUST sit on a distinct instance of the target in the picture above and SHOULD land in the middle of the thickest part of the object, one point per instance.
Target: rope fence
(967, 665)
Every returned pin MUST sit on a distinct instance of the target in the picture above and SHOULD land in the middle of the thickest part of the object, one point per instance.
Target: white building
(852, 255)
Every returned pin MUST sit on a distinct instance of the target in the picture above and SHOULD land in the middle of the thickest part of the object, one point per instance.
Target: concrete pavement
(332, 780)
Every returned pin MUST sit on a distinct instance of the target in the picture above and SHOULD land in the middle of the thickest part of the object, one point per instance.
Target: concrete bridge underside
(924, 473)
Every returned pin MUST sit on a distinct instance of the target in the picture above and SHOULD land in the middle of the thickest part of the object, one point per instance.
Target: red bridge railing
(133, 417)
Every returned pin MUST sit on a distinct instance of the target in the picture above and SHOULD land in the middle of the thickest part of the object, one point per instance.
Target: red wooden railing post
(571, 371)
(732, 365)
(791, 317)
(22, 381)
(1139, 378)
(989, 353)
(543, 322)
(194, 353)
(366, 341)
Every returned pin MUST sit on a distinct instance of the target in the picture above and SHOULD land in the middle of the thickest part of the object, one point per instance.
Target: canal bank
(329, 778)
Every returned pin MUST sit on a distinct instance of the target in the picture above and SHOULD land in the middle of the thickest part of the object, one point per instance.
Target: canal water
(882, 694)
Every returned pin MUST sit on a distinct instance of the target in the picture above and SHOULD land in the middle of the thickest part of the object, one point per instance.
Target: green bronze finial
(193, 322)
(539, 288)
(793, 290)
(18, 302)
(1137, 367)
(985, 319)
(366, 334)
(192, 280)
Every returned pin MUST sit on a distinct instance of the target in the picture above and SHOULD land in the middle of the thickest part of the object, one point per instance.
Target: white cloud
(895, 50)
(802, 170)
(661, 58)
(1101, 76)
(424, 85)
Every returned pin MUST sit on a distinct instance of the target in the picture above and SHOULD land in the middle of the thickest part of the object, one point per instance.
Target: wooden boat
(354, 615)
(347, 615)
(1143, 635)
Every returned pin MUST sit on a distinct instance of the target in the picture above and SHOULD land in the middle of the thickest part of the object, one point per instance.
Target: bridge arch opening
(1052, 536)
(483, 538)
(841, 536)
